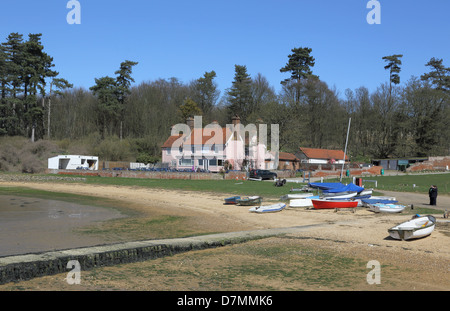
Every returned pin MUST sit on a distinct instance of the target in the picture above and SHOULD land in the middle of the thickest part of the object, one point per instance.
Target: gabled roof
(314, 153)
(209, 137)
(285, 156)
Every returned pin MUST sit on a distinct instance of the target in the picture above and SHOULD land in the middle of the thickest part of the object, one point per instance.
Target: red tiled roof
(285, 156)
(313, 153)
(210, 137)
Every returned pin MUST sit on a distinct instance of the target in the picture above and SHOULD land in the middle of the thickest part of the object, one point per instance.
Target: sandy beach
(361, 233)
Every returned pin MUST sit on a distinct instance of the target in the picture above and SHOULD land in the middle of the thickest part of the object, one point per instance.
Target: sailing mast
(345, 151)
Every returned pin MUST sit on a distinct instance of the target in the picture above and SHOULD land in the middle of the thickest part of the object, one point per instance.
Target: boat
(303, 189)
(340, 196)
(302, 202)
(383, 198)
(328, 204)
(326, 186)
(386, 208)
(253, 200)
(232, 200)
(365, 194)
(417, 227)
(386, 200)
(277, 207)
(296, 196)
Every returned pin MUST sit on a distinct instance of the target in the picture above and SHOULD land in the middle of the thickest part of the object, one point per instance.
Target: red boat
(327, 204)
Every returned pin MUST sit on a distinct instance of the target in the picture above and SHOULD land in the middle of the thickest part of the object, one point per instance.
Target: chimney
(190, 122)
(235, 120)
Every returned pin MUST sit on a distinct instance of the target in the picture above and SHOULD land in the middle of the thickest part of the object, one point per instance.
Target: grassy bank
(419, 183)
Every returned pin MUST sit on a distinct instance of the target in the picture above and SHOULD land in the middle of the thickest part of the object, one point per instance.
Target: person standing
(432, 193)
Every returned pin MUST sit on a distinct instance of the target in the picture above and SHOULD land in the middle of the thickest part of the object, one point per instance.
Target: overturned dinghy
(418, 227)
(268, 208)
(306, 202)
(253, 200)
(386, 208)
(296, 196)
(232, 200)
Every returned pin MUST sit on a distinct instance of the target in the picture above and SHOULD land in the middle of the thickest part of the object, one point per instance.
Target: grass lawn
(419, 183)
(403, 183)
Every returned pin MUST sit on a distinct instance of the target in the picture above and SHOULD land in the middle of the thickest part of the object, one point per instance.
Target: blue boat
(232, 200)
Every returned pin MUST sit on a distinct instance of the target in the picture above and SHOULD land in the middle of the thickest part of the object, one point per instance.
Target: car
(263, 174)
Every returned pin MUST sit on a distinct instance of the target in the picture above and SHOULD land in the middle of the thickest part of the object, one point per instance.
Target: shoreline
(349, 233)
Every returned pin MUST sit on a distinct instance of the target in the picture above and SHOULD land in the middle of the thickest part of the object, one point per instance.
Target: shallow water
(33, 225)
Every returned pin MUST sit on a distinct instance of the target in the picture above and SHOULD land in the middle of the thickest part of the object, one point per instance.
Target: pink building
(213, 148)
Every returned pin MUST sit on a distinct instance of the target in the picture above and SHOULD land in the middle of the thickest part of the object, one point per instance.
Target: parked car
(263, 174)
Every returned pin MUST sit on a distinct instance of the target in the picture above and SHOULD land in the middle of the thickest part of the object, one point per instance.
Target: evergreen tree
(59, 85)
(124, 80)
(205, 93)
(393, 65)
(439, 76)
(299, 65)
(108, 105)
(239, 96)
(189, 109)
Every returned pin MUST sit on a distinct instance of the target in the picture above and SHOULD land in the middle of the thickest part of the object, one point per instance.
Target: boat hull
(386, 208)
(268, 208)
(331, 204)
(232, 200)
(413, 229)
(297, 196)
(302, 202)
(371, 201)
(340, 196)
(249, 201)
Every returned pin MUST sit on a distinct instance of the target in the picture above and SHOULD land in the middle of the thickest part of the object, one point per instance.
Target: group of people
(432, 193)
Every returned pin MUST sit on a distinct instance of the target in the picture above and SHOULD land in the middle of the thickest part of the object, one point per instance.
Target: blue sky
(184, 39)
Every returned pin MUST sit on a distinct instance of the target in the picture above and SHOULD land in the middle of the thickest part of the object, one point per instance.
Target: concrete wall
(24, 267)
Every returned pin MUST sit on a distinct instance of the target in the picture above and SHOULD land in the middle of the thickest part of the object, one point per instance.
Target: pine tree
(299, 65)
(439, 76)
(123, 82)
(240, 94)
(205, 92)
(108, 107)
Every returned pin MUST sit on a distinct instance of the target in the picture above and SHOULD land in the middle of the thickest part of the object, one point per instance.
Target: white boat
(374, 200)
(366, 192)
(302, 202)
(296, 196)
(340, 196)
(386, 208)
(418, 227)
(383, 198)
(268, 208)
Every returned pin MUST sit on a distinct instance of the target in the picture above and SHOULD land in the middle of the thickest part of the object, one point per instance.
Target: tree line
(395, 120)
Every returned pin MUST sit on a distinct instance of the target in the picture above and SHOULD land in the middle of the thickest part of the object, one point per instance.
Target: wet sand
(33, 225)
